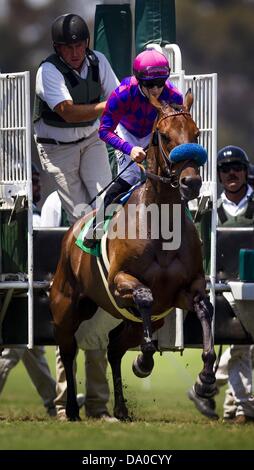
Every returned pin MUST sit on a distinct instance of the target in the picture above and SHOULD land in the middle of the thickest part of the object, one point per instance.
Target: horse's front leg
(128, 290)
(143, 364)
(205, 385)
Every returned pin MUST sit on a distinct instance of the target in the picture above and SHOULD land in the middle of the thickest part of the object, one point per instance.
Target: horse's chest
(167, 268)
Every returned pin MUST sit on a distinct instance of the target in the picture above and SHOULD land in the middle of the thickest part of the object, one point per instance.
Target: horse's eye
(165, 138)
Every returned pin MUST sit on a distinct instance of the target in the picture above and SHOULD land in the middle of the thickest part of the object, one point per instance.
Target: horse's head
(179, 155)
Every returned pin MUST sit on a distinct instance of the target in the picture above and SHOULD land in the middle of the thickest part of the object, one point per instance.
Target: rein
(173, 178)
(177, 113)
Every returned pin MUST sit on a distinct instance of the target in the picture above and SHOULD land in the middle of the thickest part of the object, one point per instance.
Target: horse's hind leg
(205, 385)
(62, 311)
(68, 357)
(125, 336)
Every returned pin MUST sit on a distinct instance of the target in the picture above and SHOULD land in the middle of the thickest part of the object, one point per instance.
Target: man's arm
(71, 112)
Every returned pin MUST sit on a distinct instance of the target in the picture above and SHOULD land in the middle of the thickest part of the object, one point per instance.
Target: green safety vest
(82, 90)
(245, 219)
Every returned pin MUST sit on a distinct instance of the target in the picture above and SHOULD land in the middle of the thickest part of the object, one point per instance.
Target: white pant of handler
(235, 369)
(37, 368)
(80, 171)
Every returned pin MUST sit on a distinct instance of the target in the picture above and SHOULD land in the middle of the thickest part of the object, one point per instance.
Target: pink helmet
(151, 64)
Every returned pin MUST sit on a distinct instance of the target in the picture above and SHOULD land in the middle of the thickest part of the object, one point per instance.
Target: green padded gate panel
(154, 23)
(113, 36)
(205, 235)
(15, 324)
(13, 241)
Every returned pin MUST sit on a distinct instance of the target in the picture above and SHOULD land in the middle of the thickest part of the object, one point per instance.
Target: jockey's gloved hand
(138, 154)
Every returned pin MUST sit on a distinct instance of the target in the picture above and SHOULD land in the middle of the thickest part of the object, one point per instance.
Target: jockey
(127, 121)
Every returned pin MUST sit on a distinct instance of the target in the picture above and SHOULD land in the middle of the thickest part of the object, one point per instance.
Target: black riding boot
(116, 189)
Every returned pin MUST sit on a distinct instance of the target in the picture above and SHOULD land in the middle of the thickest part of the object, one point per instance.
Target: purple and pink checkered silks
(128, 106)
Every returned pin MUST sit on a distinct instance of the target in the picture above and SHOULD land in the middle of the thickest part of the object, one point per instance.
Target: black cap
(230, 154)
(68, 29)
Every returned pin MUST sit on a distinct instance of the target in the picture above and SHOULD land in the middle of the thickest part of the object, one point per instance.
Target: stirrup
(90, 242)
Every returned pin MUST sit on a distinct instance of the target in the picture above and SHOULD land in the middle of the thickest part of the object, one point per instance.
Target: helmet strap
(55, 48)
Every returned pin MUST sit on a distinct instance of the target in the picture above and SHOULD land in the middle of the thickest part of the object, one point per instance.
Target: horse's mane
(164, 107)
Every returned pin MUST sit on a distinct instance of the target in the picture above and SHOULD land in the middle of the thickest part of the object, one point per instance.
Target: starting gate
(25, 254)
(15, 194)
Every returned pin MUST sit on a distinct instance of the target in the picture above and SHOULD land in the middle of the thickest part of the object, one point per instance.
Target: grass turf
(163, 417)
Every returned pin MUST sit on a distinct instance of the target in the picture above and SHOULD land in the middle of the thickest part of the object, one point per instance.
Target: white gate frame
(16, 175)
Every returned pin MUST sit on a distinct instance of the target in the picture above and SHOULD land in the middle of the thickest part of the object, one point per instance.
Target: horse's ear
(188, 100)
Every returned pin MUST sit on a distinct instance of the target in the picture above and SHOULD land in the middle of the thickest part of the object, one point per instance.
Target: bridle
(173, 176)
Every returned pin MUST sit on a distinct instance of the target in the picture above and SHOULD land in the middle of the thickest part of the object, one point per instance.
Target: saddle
(121, 199)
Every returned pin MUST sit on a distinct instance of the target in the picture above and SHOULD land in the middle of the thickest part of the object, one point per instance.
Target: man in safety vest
(235, 208)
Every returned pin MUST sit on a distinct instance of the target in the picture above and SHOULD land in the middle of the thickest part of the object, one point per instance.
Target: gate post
(16, 210)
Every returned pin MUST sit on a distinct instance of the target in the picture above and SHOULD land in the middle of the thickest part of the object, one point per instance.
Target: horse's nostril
(191, 181)
(190, 187)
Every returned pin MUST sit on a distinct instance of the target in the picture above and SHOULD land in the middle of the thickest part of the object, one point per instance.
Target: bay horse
(143, 278)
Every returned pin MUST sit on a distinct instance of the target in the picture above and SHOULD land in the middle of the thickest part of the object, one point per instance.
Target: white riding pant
(132, 174)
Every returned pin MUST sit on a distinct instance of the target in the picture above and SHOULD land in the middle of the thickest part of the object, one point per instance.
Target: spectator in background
(69, 86)
(251, 175)
(235, 208)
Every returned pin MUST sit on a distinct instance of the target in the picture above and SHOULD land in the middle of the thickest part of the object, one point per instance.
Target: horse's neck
(151, 161)
(156, 191)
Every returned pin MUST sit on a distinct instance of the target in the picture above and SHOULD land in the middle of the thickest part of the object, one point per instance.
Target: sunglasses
(232, 166)
(159, 82)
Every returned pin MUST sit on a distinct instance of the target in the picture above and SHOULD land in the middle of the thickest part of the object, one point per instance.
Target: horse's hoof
(125, 418)
(74, 418)
(121, 413)
(206, 406)
(204, 389)
(139, 370)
